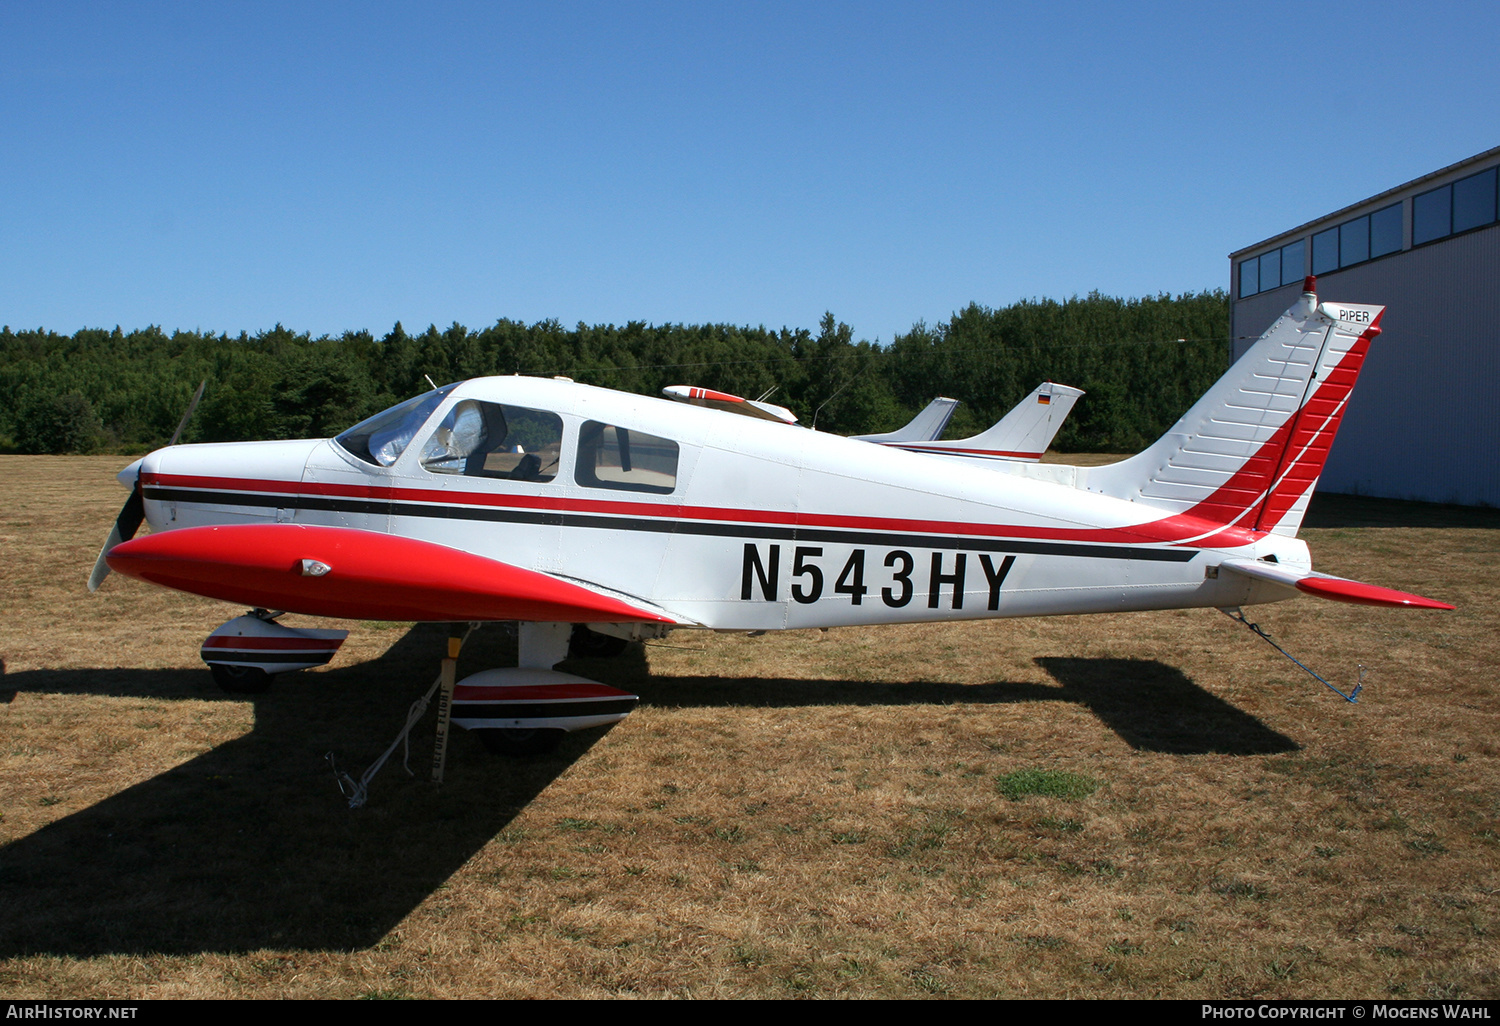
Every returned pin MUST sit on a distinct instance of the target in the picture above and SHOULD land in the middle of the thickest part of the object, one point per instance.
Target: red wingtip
(1310, 284)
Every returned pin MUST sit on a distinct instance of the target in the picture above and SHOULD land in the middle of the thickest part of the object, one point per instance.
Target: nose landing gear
(246, 653)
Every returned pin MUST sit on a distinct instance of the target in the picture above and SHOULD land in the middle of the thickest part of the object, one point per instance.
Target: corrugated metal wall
(1424, 421)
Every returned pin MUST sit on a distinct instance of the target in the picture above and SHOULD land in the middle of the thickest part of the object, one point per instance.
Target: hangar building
(1424, 422)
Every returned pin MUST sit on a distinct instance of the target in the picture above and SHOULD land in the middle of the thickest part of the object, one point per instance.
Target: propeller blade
(189, 414)
(134, 510)
(126, 524)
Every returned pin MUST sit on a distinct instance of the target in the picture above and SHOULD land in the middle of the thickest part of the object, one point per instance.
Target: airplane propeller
(126, 524)
(134, 510)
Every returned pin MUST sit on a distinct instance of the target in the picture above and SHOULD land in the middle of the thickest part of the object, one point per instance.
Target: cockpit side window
(382, 439)
(625, 459)
(483, 439)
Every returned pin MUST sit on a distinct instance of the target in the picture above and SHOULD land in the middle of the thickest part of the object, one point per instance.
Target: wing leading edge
(362, 575)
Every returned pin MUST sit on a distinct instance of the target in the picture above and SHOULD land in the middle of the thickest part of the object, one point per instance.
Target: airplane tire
(587, 644)
(536, 741)
(241, 680)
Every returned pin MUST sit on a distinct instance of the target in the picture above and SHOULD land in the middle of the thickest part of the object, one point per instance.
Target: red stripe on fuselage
(272, 644)
(1179, 529)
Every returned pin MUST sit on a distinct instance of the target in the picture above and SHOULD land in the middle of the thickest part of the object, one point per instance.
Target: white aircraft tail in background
(1023, 434)
(927, 426)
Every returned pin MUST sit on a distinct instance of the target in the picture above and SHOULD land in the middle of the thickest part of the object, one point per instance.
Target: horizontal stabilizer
(1339, 589)
(361, 575)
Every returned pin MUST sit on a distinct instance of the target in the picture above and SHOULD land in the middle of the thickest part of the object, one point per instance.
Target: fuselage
(722, 521)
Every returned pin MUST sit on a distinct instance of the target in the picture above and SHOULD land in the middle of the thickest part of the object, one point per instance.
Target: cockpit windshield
(382, 439)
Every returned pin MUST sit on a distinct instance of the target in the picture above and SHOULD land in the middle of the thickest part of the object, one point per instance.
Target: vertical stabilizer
(1025, 432)
(927, 426)
(1249, 453)
(1021, 436)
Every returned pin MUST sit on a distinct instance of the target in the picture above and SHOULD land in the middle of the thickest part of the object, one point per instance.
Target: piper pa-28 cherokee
(558, 504)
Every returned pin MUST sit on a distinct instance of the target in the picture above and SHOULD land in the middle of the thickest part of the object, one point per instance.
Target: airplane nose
(130, 474)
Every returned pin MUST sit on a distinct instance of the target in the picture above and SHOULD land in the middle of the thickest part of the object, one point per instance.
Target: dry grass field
(853, 813)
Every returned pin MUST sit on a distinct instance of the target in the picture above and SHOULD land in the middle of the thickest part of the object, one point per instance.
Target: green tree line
(1142, 362)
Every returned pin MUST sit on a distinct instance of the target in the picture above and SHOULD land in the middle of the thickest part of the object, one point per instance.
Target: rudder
(1249, 453)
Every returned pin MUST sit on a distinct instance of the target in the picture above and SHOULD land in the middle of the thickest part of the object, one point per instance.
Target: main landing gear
(527, 709)
(246, 653)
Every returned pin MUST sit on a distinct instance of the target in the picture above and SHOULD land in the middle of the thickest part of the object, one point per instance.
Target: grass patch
(1235, 888)
(1066, 826)
(1041, 783)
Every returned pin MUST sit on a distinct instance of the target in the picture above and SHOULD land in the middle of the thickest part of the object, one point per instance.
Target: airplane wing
(927, 426)
(694, 396)
(365, 575)
(1339, 589)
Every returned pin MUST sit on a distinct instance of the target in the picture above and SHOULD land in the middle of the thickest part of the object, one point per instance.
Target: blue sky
(226, 166)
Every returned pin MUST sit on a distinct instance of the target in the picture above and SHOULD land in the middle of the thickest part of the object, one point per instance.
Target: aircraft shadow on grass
(248, 846)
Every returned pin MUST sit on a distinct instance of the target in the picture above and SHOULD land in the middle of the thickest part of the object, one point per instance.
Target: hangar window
(1357, 240)
(1432, 215)
(480, 439)
(1385, 231)
(1270, 269)
(625, 460)
(1354, 241)
(1450, 209)
(1274, 269)
(1474, 201)
(1249, 277)
(1325, 251)
(1293, 262)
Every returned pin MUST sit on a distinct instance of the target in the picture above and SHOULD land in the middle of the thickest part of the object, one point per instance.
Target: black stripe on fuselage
(540, 709)
(230, 655)
(665, 525)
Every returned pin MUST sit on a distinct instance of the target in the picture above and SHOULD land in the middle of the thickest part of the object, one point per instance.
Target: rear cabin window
(625, 460)
(480, 439)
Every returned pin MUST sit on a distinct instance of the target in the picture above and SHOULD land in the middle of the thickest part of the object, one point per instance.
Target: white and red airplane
(555, 504)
